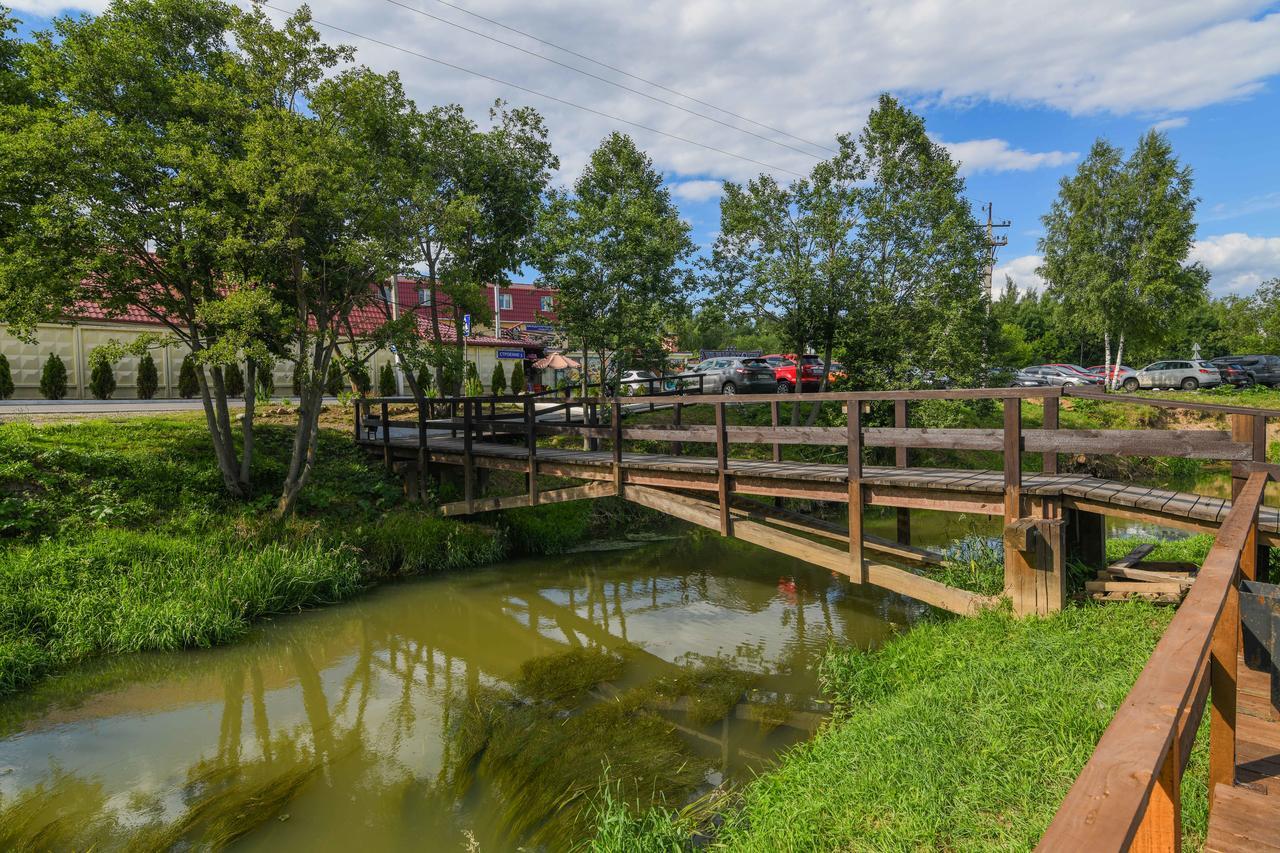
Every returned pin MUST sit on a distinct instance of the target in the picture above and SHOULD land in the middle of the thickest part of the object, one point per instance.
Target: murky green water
(332, 729)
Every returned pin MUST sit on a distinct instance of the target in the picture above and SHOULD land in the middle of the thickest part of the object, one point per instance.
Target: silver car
(1187, 375)
(1052, 374)
(737, 376)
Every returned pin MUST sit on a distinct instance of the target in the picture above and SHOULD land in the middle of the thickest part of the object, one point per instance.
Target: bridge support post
(1086, 538)
(617, 445)
(722, 469)
(1251, 430)
(857, 566)
(531, 440)
(468, 458)
(775, 418)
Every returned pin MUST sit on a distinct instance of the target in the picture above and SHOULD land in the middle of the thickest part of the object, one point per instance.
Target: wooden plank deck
(1246, 817)
(829, 482)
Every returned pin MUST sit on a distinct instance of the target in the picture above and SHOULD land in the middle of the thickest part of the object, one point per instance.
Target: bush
(409, 543)
(188, 384)
(6, 378)
(53, 378)
(333, 381)
(472, 387)
(517, 378)
(265, 382)
(498, 382)
(359, 376)
(233, 380)
(387, 381)
(425, 382)
(102, 379)
(148, 377)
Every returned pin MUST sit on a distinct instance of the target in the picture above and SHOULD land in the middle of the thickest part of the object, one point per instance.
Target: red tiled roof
(364, 319)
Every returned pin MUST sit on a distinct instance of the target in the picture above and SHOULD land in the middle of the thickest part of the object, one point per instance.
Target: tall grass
(963, 734)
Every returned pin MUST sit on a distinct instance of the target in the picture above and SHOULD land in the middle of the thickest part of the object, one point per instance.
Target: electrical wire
(536, 93)
(644, 80)
(606, 80)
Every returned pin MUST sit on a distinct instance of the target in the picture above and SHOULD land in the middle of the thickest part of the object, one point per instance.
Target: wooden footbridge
(733, 477)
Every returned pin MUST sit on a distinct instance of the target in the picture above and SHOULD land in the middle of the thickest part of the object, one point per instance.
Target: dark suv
(1258, 369)
(737, 376)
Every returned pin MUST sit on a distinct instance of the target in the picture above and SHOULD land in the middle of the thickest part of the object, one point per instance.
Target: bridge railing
(1128, 796)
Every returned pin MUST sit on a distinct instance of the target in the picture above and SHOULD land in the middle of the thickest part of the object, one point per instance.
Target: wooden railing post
(359, 425)
(424, 452)
(722, 468)
(468, 459)
(1251, 430)
(857, 568)
(593, 443)
(617, 445)
(775, 418)
(1050, 422)
(386, 437)
(902, 459)
(677, 447)
(1161, 828)
(531, 442)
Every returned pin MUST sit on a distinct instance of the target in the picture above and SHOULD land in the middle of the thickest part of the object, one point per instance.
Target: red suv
(784, 370)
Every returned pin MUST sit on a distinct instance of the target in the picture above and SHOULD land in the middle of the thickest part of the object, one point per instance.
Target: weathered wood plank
(573, 493)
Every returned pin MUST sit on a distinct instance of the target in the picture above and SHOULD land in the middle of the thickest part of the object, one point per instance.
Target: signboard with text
(510, 353)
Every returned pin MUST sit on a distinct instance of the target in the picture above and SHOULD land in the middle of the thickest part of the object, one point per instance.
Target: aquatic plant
(567, 676)
(710, 690)
(975, 563)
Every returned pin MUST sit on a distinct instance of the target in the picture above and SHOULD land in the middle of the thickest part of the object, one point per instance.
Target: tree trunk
(222, 449)
(1106, 360)
(246, 425)
(1119, 355)
(302, 458)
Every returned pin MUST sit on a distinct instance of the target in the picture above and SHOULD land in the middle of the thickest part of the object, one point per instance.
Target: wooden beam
(894, 579)
(722, 468)
(574, 493)
(901, 459)
(1050, 422)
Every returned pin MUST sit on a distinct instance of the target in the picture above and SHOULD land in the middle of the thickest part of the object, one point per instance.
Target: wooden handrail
(1136, 760)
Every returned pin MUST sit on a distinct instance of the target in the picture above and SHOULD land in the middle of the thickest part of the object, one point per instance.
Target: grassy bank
(119, 538)
(963, 734)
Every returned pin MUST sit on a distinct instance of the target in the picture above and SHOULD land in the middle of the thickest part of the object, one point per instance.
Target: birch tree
(1116, 242)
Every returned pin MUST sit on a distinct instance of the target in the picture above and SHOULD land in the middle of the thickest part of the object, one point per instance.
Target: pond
(479, 708)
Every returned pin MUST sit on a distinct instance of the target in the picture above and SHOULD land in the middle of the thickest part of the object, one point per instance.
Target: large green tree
(1116, 243)
(614, 250)
(924, 307)
(146, 107)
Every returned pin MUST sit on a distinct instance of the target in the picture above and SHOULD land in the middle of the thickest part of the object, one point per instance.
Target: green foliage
(566, 677)
(233, 380)
(1116, 241)
(387, 381)
(618, 829)
(975, 563)
(102, 380)
(547, 529)
(6, 378)
(265, 381)
(498, 381)
(53, 378)
(408, 542)
(613, 250)
(358, 375)
(148, 377)
(333, 380)
(471, 386)
(188, 384)
(518, 382)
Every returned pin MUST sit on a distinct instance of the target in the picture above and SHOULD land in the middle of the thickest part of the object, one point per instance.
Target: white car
(640, 382)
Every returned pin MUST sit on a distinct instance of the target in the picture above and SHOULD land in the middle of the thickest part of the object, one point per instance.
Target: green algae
(567, 676)
(711, 691)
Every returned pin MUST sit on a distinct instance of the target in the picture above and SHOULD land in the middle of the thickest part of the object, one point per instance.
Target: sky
(1017, 91)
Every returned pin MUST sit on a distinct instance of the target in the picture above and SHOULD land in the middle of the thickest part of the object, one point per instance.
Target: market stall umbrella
(556, 361)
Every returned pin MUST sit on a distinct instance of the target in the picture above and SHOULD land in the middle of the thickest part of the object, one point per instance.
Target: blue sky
(1018, 90)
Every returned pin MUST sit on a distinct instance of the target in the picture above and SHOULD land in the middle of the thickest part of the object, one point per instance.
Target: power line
(645, 80)
(606, 80)
(535, 92)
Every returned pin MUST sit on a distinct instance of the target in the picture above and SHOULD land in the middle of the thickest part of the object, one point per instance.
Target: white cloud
(1254, 204)
(1239, 262)
(1170, 123)
(697, 190)
(766, 59)
(996, 155)
(1023, 272)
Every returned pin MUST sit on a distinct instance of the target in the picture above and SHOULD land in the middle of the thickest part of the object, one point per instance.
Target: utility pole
(994, 243)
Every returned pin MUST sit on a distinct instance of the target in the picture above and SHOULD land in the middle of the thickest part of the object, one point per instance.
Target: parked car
(1061, 375)
(1234, 374)
(785, 367)
(640, 382)
(1260, 369)
(1077, 369)
(1117, 370)
(1185, 374)
(835, 370)
(1004, 377)
(738, 376)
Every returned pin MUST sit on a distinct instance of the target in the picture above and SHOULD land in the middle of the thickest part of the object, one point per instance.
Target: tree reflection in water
(338, 728)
